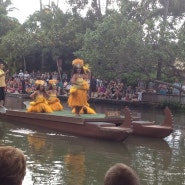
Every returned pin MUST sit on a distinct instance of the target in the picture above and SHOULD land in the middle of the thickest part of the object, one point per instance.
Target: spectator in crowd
(129, 93)
(121, 174)
(12, 166)
(119, 91)
(101, 91)
(2, 83)
(151, 87)
(21, 74)
(93, 86)
(176, 91)
(163, 89)
(60, 86)
(26, 75)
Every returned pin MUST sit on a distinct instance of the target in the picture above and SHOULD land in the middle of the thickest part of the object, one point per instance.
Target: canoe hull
(71, 125)
(151, 130)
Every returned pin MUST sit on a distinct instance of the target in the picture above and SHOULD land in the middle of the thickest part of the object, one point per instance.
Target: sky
(28, 7)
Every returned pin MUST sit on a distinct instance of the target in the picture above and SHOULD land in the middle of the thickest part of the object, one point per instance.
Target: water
(58, 159)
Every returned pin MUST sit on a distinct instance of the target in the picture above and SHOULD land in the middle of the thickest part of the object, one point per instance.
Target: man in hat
(2, 83)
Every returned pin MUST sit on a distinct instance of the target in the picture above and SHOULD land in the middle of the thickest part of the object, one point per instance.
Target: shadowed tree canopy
(124, 38)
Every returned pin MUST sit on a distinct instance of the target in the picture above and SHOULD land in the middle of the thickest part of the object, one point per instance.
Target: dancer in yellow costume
(85, 110)
(53, 101)
(39, 103)
(78, 94)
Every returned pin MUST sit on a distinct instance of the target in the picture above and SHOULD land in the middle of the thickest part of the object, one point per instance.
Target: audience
(121, 174)
(12, 166)
(104, 89)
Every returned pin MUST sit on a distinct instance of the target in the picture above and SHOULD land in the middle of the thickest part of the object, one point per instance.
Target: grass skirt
(55, 104)
(40, 105)
(77, 98)
(85, 110)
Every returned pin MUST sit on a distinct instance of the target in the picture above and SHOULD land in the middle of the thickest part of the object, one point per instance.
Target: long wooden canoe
(150, 128)
(95, 126)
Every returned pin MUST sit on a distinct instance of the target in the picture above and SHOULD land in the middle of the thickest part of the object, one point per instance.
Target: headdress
(53, 82)
(86, 68)
(39, 82)
(78, 62)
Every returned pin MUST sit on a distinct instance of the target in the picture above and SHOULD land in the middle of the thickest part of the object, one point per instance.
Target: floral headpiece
(53, 82)
(39, 82)
(78, 62)
(86, 68)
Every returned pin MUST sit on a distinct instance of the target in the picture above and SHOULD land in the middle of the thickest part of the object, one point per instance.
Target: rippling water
(60, 159)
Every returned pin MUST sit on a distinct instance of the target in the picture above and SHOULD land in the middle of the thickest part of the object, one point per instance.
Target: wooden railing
(157, 98)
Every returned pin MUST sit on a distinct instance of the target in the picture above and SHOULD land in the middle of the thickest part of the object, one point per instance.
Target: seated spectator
(12, 166)
(26, 75)
(21, 74)
(120, 91)
(93, 85)
(129, 93)
(121, 174)
(151, 87)
(176, 91)
(101, 91)
(163, 89)
(113, 91)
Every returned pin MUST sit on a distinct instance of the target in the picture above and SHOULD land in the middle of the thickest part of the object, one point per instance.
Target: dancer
(39, 96)
(86, 109)
(78, 94)
(53, 101)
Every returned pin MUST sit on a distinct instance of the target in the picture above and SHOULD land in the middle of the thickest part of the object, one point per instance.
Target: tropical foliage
(120, 39)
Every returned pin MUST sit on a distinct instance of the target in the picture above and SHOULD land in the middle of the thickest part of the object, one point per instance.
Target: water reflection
(59, 159)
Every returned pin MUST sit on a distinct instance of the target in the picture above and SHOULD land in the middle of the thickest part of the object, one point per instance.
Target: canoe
(94, 126)
(150, 128)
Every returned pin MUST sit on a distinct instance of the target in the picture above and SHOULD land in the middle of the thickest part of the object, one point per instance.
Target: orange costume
(39, 104)
(85, 110)
(78, 94)
(53, 101)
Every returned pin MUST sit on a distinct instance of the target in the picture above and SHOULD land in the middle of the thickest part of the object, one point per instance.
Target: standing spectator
(101, 91)
(60, 87)
(119, 91)
(21, 74)
(93, 84)
(163, 89)
(129, 93)
(12, 166)
(176, 91)
(2, 84)
(121, 174)
(26, 75)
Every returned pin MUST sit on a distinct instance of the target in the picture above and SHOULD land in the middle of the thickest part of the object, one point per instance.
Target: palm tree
(4, 4)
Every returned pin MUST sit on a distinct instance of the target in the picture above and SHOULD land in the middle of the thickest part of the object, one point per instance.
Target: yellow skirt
(77, 98)
(85, 110)
(40, 105)
(55, 104)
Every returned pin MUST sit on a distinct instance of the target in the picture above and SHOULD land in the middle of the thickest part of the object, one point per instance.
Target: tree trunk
(40, 5)
(42, 61)
(163, 30)
(24, 63)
